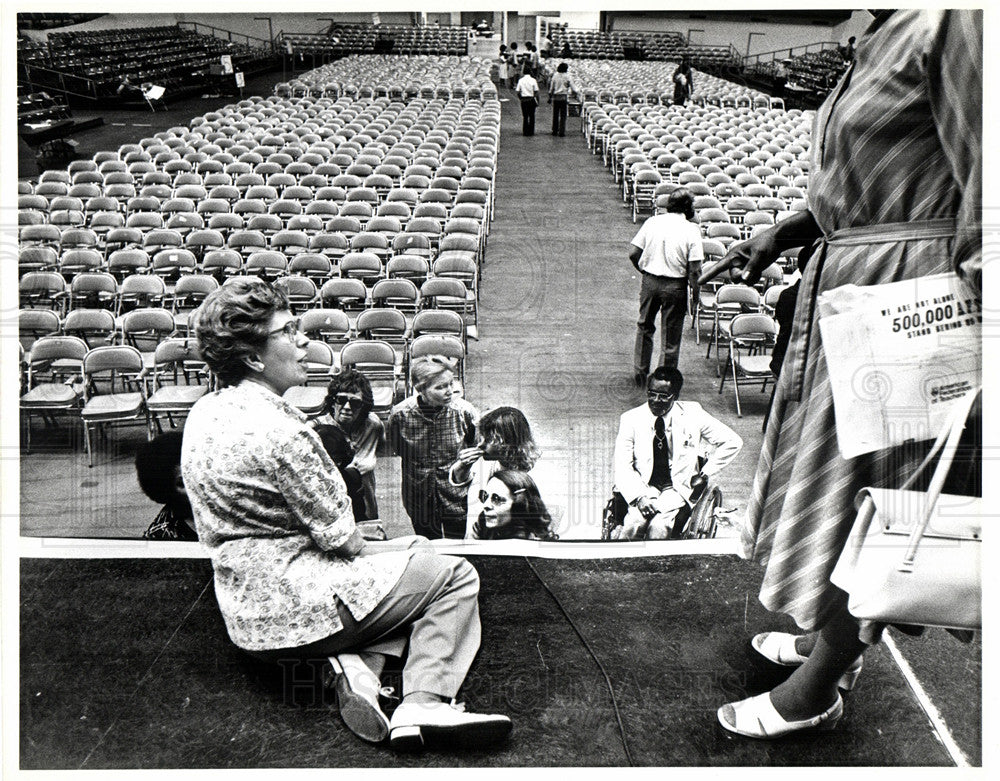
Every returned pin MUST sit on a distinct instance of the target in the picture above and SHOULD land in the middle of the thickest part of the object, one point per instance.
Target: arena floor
(124, 662)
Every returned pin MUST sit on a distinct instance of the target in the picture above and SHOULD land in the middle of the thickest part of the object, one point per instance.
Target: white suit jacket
(693, 432)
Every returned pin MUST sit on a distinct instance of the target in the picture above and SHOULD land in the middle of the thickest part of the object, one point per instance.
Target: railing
(68, 83)
(790, 53)
(229, 35)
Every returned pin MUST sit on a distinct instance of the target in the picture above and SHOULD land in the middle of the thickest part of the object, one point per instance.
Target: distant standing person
(559, 89)
(683, 83)
(781, 78)
(527, 91)
(667, 252)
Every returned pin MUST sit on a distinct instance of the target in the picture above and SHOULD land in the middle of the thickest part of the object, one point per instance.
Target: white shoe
(779, 647)
(756, 717)
(418, 724)
(357, 695)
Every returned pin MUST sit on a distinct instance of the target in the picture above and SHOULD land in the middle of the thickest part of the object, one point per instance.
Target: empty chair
(387, 325)
(33, 324)
(222, 263)
(289, 242)
(329, 325)
(751, 340)
(92, 289)
(171, 263)
(176, 381)
(42, 289)
(36, 259)
(189, 293)
(438, 321)
(412, 267)
(113, 393)
(310, 264)
(52, 365)
(375, 243)
(364, 266)
(96, 327)
(349, 295)
(139, 291)
(301, 291)
(441, 292)
(246, 242)
(731, 300)
(377, 361)
(401, 294)
(267, 264)
(333, 245)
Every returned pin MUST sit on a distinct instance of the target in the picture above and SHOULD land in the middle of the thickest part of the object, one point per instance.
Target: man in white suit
(656, 459)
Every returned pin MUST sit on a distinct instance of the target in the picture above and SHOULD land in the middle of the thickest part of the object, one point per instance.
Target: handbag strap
(947, 443)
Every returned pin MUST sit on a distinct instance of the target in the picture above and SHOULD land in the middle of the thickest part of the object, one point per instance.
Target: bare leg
(812, 688)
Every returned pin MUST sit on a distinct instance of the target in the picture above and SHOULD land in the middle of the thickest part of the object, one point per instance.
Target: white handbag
(914, 557)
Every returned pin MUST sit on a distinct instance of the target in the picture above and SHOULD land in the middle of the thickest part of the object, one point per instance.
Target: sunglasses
(291, 329)
(495, 499)
(342, 399)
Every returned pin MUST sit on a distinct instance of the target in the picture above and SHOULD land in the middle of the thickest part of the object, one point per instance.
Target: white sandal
(756, 717)
(779, 647)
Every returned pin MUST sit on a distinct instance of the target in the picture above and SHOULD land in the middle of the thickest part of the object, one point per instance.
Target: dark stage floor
(671, 633)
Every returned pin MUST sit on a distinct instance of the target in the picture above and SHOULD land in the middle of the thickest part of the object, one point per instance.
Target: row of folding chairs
(452, 283)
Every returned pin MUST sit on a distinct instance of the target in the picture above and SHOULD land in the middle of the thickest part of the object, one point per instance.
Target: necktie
(660, 477)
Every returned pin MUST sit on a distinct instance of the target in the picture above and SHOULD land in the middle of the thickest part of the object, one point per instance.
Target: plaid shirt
(428, 445)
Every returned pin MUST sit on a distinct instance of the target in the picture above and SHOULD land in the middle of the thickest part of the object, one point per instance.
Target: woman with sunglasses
(349, 403)
(427, 430)
(512, 509)
(294, 578)
(505, 442)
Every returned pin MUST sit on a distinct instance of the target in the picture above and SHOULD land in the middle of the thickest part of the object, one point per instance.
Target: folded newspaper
(899, 355)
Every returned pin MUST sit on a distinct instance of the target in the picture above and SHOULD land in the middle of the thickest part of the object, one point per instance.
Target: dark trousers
(559, 110)
(528, 112)
(668, 297)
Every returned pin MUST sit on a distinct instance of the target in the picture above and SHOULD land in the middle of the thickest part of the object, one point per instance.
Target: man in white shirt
(667, 252)
(527, 91)
(657, 468)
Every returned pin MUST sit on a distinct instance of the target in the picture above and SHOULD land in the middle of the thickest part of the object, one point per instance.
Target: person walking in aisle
(527, 91)
(667, 252)
(559, 89)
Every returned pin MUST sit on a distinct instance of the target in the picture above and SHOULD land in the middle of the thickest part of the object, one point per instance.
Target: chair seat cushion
(175, 396)
(309, 399)
(49, 395)
(112, 406)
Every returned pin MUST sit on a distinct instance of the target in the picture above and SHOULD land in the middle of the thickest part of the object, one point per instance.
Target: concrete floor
(558, 306)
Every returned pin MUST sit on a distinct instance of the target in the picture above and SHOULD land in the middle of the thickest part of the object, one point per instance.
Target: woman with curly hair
(505, 442)
(512, 509)
(294, 578)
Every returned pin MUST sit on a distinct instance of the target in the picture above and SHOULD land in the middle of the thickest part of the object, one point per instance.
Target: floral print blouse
(272, 507)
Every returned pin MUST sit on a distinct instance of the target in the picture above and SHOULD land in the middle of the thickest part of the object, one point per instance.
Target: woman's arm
(367, 446)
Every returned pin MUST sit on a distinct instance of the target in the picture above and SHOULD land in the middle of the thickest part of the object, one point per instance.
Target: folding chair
(54, 374)
(376, 360)
(751, 339)
(730, 300)
(177, 379)
(113, 391)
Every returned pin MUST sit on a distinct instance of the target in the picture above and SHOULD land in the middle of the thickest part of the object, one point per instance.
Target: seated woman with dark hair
(158, 469)
(512, 509)
(293, 576)
(349, 403)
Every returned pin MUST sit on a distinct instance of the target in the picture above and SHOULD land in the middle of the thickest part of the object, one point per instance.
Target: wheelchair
(699, 521)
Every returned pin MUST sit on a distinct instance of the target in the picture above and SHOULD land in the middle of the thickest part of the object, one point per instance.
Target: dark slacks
(668, 298)
(560, 108)
(528, 106)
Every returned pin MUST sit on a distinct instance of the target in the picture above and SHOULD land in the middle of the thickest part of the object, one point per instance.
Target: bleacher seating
(364, 38)
(640, 45)
(817, 72)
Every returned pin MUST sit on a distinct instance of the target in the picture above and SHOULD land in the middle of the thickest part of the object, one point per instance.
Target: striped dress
(895, 186)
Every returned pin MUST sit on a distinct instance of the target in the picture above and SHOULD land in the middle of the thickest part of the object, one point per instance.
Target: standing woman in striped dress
(895, 193)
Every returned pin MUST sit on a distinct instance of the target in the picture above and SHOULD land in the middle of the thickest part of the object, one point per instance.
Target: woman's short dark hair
(509, 428)
(350, 381)
(562, 68)
(529, 517)
(232, 323)
(681, 201)
(156, 463)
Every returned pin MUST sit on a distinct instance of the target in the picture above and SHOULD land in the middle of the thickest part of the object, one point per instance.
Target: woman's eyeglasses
(342, 399)
(495, 499)
(291, 329)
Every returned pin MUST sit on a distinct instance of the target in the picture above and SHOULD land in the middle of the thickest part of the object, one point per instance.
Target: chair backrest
(438, 344)
(89, 324)
(112, 358)
(325, 323)
(368, 354)
(753, 324)
(380, 323)
(437, 321)
(737, 294)
(49, 349)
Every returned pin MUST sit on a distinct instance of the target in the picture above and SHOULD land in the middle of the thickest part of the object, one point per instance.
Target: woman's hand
(754, 255)
(467, 456)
